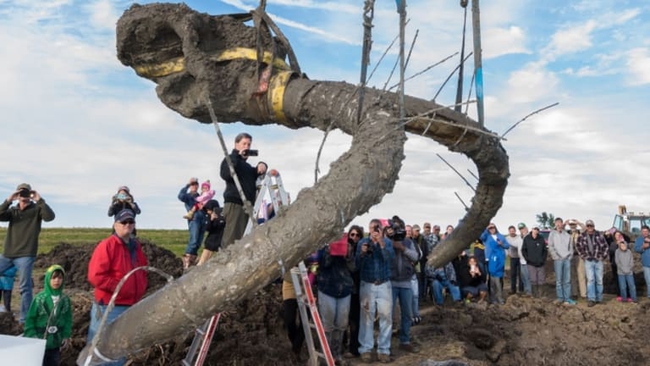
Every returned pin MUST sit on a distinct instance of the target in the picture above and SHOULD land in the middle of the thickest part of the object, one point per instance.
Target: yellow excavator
(630, 222)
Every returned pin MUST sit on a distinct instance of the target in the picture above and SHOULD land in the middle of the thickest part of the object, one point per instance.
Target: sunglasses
(127, 222)
(354, 234)
(590, 225)
(491, 228)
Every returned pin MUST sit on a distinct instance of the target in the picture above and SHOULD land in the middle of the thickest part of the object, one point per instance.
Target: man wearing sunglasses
(112, 259)
(593, 249)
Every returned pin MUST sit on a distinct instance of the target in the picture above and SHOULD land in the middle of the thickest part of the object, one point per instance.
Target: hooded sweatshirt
(48, 320)
(624, 261)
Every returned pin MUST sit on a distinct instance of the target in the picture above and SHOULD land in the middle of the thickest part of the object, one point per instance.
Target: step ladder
(201, 342)
(311, 320)
(271, 184)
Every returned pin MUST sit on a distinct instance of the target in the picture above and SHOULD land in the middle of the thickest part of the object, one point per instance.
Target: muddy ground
(523, 331)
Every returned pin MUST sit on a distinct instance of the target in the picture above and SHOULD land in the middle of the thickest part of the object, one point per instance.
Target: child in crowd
(215, 226)
(205, 196)
(625, 264)
(50, 316)
(6, 286)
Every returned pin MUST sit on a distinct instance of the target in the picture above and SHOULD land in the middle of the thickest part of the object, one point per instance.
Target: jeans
(594, 270)
(563, 279)
(415, 309)
(24, 266)
(525, 278)
(437, 286)
(629, 279)
(375, 300)
(646, 275)
(515, 272)
(334, 313)
(96, 318)
(197, 230)
(537, 275)
(496, 290)
(405, 297)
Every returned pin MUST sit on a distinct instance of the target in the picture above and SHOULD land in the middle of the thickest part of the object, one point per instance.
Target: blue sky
(77, 124)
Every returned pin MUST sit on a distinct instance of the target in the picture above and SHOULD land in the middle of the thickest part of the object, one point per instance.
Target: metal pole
(401, 8)
(247, 205)
(459, 88)
(478, 62)
(368, 15)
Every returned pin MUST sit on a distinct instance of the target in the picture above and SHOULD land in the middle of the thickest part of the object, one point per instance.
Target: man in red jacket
(112, 259)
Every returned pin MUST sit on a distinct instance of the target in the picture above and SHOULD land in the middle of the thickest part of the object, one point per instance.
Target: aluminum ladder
(311, 320)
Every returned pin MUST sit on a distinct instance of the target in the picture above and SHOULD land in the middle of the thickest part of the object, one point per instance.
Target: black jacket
(215, 233)
(465, 279)
(247, 175)
(534, 250)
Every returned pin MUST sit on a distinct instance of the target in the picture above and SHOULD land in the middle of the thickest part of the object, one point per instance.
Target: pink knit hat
(205, 185)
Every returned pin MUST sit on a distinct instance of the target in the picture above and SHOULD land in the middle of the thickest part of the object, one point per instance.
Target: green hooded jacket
(40, 312)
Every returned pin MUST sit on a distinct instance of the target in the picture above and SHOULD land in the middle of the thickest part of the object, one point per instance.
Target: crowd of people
(379, 275)
(382, 276)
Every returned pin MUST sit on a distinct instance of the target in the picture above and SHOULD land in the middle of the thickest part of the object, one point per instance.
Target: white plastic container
(21, 351)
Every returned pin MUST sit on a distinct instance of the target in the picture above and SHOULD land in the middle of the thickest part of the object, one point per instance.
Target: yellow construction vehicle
(630, 222)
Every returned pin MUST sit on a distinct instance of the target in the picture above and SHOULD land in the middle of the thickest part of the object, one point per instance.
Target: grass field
(174, 240)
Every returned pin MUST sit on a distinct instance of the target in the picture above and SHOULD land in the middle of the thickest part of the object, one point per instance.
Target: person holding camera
(123, 199)
(642, 245)
(495, 243)
(335, 286)
(233, 208)
(401, 273)
(373, 259)
(21, 242)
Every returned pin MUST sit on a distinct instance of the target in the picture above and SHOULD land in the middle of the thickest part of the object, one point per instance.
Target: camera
(250, 152)
(25, 193)
(399, 232)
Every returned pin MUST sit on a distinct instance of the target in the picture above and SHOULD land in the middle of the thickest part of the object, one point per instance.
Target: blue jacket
(495, 253)
(7, 279)
(334, 274)
(190, 200)
(374, 266)
(645, 253)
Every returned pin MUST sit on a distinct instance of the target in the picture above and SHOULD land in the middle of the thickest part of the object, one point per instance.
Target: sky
(77, 124)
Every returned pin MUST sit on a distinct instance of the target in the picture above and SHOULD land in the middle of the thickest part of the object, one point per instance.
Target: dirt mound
(523, 331)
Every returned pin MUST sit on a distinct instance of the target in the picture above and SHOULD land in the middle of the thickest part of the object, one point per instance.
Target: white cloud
(93, 125)
(638, 62)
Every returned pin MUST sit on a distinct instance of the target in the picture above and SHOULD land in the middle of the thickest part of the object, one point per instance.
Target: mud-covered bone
(180, 45)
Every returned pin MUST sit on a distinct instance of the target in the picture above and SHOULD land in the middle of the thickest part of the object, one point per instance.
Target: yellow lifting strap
(177, 64)
(275, 95)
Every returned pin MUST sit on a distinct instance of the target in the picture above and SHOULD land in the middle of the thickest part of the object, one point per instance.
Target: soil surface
(523, 331)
